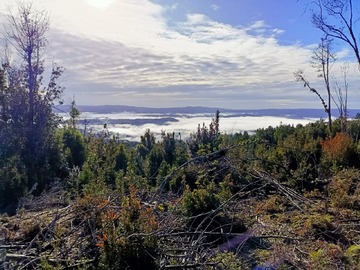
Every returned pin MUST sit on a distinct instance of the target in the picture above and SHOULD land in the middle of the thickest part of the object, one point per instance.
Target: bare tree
(336, 19)
(341, 92)
(3, 94)
(26, 33)
(322, 60)
(4, 84)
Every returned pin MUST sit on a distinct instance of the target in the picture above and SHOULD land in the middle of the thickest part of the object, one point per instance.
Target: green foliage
(353, 129)
(73, 146)
(135, 162)
(177, 184)
(126, 241)
(181, 153)
(27, 122)
(218, 195)
(13, 181)
(200, 201)
(147, 143)
(325, 257)
(121, 159)
(221, 190)
(271, 205)
(344, 189)
(106, 163)
(74, 114)
(153, 162)
(228, 261)
(169, 147)
(205, 140)
(352, 256)
(164, 170)
(265, 135)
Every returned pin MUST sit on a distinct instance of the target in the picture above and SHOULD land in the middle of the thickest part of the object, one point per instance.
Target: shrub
(352, 256)
(339, 151)
(126, 241)
(73, 146)
(326, 257)
(200, 201)
(344, 189)
(13, 182)
(227, 261)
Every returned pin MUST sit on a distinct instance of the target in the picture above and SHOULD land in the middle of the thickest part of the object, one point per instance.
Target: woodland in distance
(285, 197)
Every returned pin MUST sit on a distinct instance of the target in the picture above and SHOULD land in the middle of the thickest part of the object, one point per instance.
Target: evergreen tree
(27, 120)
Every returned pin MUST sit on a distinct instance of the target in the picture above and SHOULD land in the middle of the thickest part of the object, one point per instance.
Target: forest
(285, 197)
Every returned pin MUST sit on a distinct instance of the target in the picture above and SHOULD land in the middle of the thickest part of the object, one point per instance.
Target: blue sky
(237, 54)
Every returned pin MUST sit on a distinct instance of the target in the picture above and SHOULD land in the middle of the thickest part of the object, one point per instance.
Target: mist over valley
(129, 122)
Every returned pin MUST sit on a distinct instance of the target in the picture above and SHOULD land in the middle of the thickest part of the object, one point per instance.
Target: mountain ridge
(290, 113)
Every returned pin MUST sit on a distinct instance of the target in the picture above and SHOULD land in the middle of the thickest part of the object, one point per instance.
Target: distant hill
(290, 113)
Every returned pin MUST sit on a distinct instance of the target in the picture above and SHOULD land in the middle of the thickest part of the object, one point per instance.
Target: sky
(236, 54)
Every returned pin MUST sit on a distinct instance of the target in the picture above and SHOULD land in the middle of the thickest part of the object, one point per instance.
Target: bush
(200, 201)
(227, 261)
(73, 146)
(352, 256)
(344, 189)
(339, 151)
(13, 183)
(126, 241)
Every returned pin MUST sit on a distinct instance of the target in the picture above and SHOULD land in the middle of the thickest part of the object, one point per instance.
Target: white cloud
(214, 7)
(129, 46)
(100, 3)
(343, 54)
(257, 25)
(173, 7)
(185, 123)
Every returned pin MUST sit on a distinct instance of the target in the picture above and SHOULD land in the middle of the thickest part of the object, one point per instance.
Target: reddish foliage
(338, 149)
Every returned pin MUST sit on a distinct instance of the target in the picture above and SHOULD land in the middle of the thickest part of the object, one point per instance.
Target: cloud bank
(131, 52)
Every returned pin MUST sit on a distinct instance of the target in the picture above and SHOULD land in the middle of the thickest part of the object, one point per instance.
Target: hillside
(285, 197)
